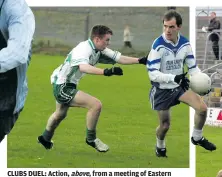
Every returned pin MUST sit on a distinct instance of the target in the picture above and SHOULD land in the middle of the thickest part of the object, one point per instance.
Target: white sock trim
(197, 134)
(160, 143)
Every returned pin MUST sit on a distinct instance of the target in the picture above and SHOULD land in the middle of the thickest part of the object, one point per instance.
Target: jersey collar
(168, 41)
(91, 44)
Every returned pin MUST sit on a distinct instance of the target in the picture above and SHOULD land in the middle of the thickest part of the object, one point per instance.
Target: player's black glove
(113, 71)
(182, 81)
(185, 84)
(179, 78)
(143, 60)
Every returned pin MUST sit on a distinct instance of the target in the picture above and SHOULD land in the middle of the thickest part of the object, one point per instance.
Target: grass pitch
(127, 124)
(209, 163)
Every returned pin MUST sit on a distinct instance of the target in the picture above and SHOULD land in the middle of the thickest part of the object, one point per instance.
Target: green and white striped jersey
(84, 53)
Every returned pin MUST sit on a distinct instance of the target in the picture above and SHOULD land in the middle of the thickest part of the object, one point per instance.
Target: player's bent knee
(200, 107)
(203, 107)
(97, 105)
(166, 127)
(202, 114)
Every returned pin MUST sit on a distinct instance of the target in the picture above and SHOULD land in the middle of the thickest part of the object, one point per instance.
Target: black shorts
(7, 123)
(163, 99)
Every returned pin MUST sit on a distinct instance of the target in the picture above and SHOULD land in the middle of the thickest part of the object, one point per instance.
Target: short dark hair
(173, 14)
(171, 7)
(213, 13)
(100, 31)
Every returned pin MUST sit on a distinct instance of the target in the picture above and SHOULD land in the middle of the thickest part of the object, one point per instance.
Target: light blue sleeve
(21, 26)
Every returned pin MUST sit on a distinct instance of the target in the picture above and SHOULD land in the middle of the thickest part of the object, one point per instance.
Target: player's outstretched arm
(86, 68)
(132, 60)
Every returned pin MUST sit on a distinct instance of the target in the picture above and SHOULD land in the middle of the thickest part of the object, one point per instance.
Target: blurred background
(203, 13)
(58, 29)
(205, 55)
(212, 66)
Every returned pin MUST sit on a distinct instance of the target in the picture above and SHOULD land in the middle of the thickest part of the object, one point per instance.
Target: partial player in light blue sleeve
(17, 27)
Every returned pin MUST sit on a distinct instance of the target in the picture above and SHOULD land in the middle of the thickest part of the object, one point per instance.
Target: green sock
(47, 135)
(90, 135)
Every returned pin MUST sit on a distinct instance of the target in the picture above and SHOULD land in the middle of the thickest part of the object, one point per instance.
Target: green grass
(209, 163)
(127, 124)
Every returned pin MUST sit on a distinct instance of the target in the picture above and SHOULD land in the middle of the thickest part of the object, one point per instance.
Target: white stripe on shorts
(64, 95)
(153, 91)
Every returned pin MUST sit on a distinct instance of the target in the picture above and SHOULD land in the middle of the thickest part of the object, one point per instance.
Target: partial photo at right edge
(209, 60)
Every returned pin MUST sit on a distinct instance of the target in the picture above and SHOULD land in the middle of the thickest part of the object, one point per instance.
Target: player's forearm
(85, 68)
(127, 60)
(157, 76)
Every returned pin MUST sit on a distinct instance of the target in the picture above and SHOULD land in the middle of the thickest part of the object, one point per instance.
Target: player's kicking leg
(195, 101)
(94, 107)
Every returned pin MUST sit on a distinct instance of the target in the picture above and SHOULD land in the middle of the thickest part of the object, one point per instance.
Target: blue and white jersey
(166, 60)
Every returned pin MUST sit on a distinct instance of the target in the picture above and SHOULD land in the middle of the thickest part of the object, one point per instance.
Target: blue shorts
(163, 99)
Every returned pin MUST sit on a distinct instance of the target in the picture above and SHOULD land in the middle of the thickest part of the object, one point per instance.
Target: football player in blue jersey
(170, 86)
